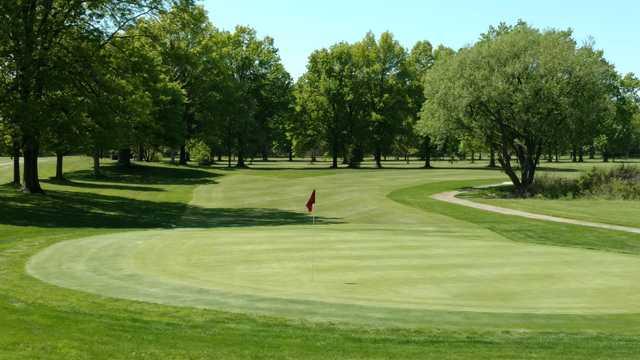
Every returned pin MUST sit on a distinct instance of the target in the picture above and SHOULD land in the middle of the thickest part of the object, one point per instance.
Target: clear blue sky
(299, 27)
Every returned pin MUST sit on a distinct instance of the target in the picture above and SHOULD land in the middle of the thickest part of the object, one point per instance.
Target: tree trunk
(59, 167)
(581, 155)
(124, 157)
(492, 157)
(290, 154)
(356, 157)
(592, 152)
(427, 153)
(96, 163)
(528, 154)
(605, 156)
(16, 164)
(473, 157)
(183, 155)
(378, 157)
(334, 156)
(31, 182)
(240, 163)
(140, 155)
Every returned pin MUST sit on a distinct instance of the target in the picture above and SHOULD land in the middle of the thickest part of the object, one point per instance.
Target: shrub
(554, 187)
(199, 152)
(615, 183)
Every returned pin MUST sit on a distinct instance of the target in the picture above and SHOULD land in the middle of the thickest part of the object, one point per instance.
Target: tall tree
(181, 34)
(511, 88)
(617, 131)
(383, 74)
(33, 33)
(420, 60)
(329, 88)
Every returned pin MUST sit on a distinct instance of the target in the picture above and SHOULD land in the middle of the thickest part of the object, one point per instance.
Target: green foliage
(515, 90)
(356, 98)
(616, 183)
(200, 152)
(48, 47)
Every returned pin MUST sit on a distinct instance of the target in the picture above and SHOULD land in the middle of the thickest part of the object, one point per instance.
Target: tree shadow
(146, 174)
(96, 185)
(552, 169)
(68, 209)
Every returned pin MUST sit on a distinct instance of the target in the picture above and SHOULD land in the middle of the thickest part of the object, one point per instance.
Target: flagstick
(313, 245)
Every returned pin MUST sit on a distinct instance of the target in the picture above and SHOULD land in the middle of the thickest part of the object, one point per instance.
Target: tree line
(147, 78)
(134, 78)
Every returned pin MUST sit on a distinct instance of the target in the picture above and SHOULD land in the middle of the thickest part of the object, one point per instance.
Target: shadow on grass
(96, 185)
(146, 174)
(67, 209)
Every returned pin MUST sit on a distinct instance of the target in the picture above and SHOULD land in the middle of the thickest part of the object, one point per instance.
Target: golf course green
(381, 255)
(366, 250)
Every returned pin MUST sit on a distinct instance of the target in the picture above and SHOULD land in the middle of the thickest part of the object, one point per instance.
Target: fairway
(368, 260)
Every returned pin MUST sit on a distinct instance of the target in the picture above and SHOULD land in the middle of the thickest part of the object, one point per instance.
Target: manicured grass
(39, 320)
(617, 212)
(517, 228)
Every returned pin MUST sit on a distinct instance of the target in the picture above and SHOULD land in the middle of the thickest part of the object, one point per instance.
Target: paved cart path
(452, 197)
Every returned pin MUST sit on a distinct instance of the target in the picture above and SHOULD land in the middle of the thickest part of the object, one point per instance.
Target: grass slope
(44, 321)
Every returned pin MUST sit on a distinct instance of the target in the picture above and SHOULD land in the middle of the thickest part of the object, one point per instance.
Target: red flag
(311, 201)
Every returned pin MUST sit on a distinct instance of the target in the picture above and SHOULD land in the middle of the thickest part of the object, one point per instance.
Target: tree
(273, 92)
(382, 74)
(181, 34)
(512, 88)
(308, 120)
(617, 131)
(33, 34)
(420, 60)
(257, 90)
(588, 107)
(326, 92)
(64, 130)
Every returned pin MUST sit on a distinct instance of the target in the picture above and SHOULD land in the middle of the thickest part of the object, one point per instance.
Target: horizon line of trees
(147, 77)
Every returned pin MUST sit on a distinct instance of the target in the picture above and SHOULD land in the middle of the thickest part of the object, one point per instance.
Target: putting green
(370, 259)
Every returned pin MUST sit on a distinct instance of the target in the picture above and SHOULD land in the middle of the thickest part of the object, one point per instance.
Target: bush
(622, 183)
(553, 187)
(199, 152)
(618, 183)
